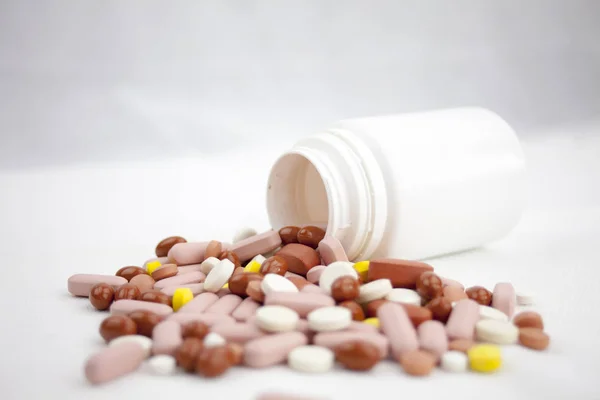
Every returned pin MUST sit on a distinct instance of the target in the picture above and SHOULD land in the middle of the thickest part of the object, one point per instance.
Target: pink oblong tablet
(331, 250)
(398, 328)
(188, 268)
(81, 284)
(185, 279)
(302, 303)
(311, 288)
(208, 319)
(451, 282)
(166, 337)
(332, 340)
(161, 260)
(314, 274)
(255, 245)
(272, 349)
(302, 326)
(432, 337)
(225, 304)
(199, 304)
(291, 274)
(362, 327)
(126, 306)
(504, 298)
(187, 253)
(462, 320)
(114, 361)
(245, 310)
(223, 292)
(238, 333)
(196, 288)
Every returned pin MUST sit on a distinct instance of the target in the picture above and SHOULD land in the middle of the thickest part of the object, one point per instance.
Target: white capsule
(276, 319)
(316, 359)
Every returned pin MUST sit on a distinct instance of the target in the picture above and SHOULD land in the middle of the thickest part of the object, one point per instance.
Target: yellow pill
(226, 286)
(362, 267)
(484, 358)
(372, 321)
(152, 266)
(252, 266)
(181, 297)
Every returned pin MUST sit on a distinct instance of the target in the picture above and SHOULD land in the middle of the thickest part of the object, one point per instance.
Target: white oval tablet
(218, 276)
(243, 233)
(496, 332)
(208, 265)
(311, 359)
(334, 271)
(374, 290)
(486, 312)
(328, 319)
(143, 341)
(276, 319)
(162, 364)
(405, 296)
(213, 340)
(277, 283)
(454, 361)
(525, 298)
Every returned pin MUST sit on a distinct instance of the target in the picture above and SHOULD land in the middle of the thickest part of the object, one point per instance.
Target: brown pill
(298, 281)
(429, 285)
(357, 355)
(462, 345)
(162, 248)
(187, 353)
(440, 308)
(345, 288)
(372, 307)
(143, 282)
(155, 296)
(213, 361)
(310, 236)
(195, 329)
(528, 319)
(130, 271)
(402, 273)
(480, 294)
(418, 362)
(238, 270)
(145, 321)
(255, 292)
(274, 265)
(117, 325)
(127, 291)
(101, 296)
(238, 283)
(235, 353)
(416, 314)
(164, 272)
(534, 338)
(289, 234)
(454, 293)
(213, 249)
(231, 256)
(300, 258)
(357, 312)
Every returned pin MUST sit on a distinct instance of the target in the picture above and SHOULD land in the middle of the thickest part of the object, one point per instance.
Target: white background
(93, 96)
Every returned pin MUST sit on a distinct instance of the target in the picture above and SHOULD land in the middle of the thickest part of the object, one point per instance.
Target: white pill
(208, 264)
(334, 271)
(405, 296)
(328, 319)
(218, 276)
(260, 259)
(486, 312)
(243, 233)
(143, 341)
(276, 283)
(454, 361)
(497, 332)
(276, 319)
(311, 359)
(213, 340)
(525, 298)
(162, 364)
(374, 290)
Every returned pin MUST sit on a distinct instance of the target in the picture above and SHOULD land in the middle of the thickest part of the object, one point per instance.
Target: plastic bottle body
(409, 186)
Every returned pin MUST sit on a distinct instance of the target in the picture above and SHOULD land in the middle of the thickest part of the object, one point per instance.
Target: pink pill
(223, 292)
(166, 337)
(332, 340)
(177, 280)
(188, 268)
(245, 310)
(462, 320)
(302, 326)
(302, 303)
(311, 288)
(272, 349)
(225, 305)
(208, 319)
(255, 245)
(291, 274)
(398, 328)
(114, 362)
(504, 298)
(161, 260)
(314, 274)
(432, 337)
(331, 250)
(362, 327)
(126, 306)
(451, 282)
(187, 253)
(81, 284)
(196, 288)
(199, 304)
(238, 333)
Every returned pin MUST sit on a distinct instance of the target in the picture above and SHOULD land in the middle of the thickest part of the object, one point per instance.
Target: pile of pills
(292, 296)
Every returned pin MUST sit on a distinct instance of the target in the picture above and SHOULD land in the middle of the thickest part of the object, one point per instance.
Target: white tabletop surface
(55, 222)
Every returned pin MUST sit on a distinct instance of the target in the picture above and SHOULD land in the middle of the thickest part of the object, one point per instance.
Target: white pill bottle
(410, 186)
